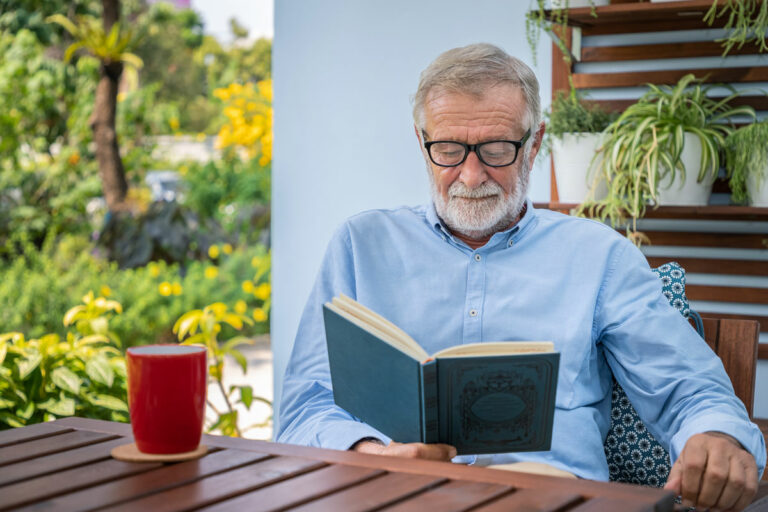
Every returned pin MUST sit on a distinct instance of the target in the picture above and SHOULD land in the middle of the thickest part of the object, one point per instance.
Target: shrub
(82, 374)
(37, 287)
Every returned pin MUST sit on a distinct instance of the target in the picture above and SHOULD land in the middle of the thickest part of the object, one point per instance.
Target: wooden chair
(735, 342)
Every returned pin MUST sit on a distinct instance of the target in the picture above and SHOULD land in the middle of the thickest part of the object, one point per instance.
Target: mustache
(487, 189)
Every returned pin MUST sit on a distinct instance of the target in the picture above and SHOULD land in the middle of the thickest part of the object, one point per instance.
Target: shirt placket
(473, 308)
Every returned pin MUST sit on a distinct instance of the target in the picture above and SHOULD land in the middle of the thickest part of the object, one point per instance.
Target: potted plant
(575, 130)
(746, 155)
(664, 150)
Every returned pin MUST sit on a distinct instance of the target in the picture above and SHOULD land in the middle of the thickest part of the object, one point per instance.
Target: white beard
(477, 218)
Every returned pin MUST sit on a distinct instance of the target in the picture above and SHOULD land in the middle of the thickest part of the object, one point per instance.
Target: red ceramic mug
(166, 396)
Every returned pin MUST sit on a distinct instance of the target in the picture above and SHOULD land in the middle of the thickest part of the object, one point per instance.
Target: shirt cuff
(746, 433)
(344, 435)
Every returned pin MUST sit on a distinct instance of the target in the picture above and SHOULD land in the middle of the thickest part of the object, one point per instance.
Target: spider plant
(747, 22)
(645, 143)
(746, 155)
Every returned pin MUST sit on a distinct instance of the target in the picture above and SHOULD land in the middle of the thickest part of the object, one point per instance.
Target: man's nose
(473, 173)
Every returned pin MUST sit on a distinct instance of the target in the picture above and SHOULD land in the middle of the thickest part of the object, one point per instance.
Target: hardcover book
(490, 397)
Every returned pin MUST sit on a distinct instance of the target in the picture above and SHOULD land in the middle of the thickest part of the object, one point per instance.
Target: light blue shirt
(553, 277)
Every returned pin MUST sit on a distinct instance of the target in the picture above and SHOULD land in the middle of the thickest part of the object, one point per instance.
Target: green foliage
(747, 22)
(167, 231)
(38, 286)
(234, 191)
(82, 374)
(570, 114)
(202, 327)
(746, 154)
(554, 24)
(18, 15)
(645, 143)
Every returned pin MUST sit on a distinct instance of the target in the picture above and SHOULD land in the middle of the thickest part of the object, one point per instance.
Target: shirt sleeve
(674, 380)
(308, 414)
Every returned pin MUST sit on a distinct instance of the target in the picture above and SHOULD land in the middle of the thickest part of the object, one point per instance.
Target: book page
(377, 325)
(497, 348)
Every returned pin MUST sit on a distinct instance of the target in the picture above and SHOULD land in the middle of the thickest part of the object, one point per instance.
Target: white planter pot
(689, 192)
(575, 169)
(758, 195)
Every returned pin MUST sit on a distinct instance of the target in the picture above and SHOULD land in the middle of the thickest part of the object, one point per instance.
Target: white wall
(344, 72)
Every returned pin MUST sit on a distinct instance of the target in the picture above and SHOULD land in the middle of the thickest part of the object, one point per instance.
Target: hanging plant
(747, 22)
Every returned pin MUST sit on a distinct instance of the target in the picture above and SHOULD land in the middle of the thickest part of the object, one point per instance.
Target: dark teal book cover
(478, 404)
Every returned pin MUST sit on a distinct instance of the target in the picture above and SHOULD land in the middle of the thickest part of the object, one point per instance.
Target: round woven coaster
(131, 453)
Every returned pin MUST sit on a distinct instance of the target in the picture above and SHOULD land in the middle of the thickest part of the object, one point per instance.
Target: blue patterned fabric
(633, 454)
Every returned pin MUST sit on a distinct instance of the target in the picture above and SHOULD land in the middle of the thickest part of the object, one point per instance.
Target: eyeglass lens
(497, 153)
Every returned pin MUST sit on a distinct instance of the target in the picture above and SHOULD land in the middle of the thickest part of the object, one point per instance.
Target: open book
(481, 398)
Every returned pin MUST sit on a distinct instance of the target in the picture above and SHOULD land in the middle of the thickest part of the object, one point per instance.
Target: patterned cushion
(633, 454)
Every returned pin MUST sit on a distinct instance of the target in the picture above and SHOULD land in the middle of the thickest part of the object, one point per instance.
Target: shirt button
(478, 257)
(511, 243)
(472, 312)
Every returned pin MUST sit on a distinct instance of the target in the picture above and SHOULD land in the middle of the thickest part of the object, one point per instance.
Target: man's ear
(418, 134)
(538, 138)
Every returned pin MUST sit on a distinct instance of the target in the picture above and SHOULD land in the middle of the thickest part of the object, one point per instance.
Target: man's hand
(714, 471)
(442, 452)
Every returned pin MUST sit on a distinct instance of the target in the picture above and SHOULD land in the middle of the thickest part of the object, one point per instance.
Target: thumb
(675, 478)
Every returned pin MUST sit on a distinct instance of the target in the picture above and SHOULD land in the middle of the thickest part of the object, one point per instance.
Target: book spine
(429, 430)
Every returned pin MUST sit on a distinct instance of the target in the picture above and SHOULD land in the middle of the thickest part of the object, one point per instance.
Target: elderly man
(480, 263)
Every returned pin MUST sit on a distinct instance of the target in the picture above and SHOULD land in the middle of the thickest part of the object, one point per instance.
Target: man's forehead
(501, 106)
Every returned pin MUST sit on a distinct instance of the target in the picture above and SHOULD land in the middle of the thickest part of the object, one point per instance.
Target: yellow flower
(259, 315)
(174, 123)
(183, 170)
(165, 288)
(247, 286)
(200, 137)
(74, 158)
(226, 248)
(213, 251)
(106, 291)
(120, 97)
(263, 291)
(241, 307)
(154, 269)
(211, 272)
(176, 288)
(255, 262)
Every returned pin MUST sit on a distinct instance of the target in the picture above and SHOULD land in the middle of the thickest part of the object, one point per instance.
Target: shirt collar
(511, 234)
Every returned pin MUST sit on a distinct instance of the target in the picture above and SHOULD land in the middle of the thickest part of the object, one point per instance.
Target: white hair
(473, 70)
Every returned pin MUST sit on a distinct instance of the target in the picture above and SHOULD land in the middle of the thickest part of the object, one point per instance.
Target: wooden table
(65, 465)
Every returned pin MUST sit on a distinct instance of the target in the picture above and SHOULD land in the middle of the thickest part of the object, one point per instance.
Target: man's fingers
(692, 465)
(717, 473)
(734, 487)
(750, 482)
(442, 452)
(675, 478)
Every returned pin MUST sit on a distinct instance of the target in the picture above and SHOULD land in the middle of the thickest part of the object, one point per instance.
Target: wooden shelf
(684, 212)
(642, 17)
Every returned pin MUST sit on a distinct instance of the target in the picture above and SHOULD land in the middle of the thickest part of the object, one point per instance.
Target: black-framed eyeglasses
(493, 153)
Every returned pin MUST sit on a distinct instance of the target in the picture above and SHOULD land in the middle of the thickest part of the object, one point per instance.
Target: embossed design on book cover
(503, 405)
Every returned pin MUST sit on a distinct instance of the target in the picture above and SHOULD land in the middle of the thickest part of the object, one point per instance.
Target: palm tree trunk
(113, 182)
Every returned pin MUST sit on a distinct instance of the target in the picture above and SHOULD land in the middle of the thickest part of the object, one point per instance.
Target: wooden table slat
(46, 446)
(533, 499)
(298, 490)
(30, 433)
(160, 479)
(611, 505)
(454, 496)
(223, 485)
(70, 480)
(372, 494)
(58, 461)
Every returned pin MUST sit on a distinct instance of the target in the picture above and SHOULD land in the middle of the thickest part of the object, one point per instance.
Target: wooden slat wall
(639, 61)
